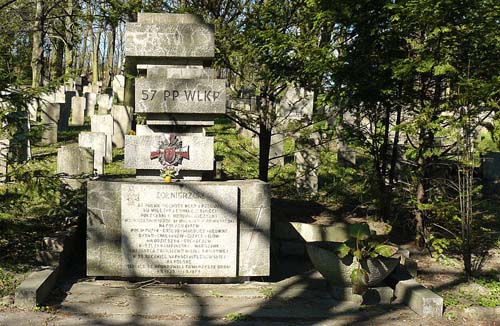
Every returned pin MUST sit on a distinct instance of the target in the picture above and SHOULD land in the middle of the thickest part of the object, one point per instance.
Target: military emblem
(170, 151)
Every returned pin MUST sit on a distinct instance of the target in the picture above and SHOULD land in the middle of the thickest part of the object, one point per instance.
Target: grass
(481, 292)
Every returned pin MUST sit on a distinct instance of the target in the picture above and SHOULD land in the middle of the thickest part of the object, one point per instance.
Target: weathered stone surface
(4, 151)
(297, 104)
(181, 119)
(35, 288)
(104, 123)
(173, 230)
(255, 228)
(104, 104)
(122, 119)
(138, 152)
(118, 85)
(105, 255)
(171, 41)
(307, 160)
(177, 71)
(276, 151)
(97, 142)
(74, 161)
(91, 100)
(191, 130)
(78, 111)
(171, 19)
(32, 110)
(180, 96)
(60, 95)
(420, 299)
(50, 117)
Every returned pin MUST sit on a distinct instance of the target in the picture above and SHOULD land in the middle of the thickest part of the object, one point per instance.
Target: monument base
(187, 229)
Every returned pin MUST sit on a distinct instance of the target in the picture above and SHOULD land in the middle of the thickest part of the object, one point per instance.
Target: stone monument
(192, 227)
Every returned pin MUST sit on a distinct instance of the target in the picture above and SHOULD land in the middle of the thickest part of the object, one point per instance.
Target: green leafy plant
(362, 245)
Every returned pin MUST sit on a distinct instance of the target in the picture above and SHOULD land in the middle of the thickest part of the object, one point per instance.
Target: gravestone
(122, 124)
(118, 84)
(78, 111)
(190, 228)
(104, 104)
(32, 110)
(73, 161)
(104, 123)
(50, 118)
(4, 151)
(307, 160)
(97, 142)
(90, 102)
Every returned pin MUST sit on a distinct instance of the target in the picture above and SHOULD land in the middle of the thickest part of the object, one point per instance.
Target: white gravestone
(91, 100)
(104, 123)
(122, 118)
(97, 142)
(78, 111)
(104, 104)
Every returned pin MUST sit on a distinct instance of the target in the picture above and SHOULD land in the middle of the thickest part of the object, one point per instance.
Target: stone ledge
(420, 299)
(35, 288)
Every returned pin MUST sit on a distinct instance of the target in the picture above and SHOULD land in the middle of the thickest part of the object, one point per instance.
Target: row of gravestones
(95, 146)
(64, 108)
(296, 105)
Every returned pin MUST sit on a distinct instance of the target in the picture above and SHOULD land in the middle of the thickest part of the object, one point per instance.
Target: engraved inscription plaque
(171, 230)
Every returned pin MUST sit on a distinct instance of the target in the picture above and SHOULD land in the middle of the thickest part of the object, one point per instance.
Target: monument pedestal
(197, 229)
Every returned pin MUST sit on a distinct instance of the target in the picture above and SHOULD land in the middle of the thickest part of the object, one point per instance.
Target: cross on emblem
(170, 151)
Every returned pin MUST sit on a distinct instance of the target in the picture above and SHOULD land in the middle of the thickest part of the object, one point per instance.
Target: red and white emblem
(170, 151)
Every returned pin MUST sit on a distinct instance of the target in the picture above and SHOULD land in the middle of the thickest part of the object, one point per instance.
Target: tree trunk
(56, 61)
(264, 149)
(108, 71)
(37, 51)
(265, 132)
(88, 32)
(94, 42)
(68, 45)
(419, 215)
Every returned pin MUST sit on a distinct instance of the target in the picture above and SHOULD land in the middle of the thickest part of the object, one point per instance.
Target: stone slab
(162, 119)
(91, 101)
(169, 41)
(60, 95)
(105, 124)
(78, 111)
(35, 288)
(138, 151)
(177, 71)
(171, 230)
(50, 113)
(4, 151)
(202, 96)
(105, 255)
(122, 124)
(170, 19)
(97, 142)
(104, 103)
(118, 85)
(420, 299)
(73, 161)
